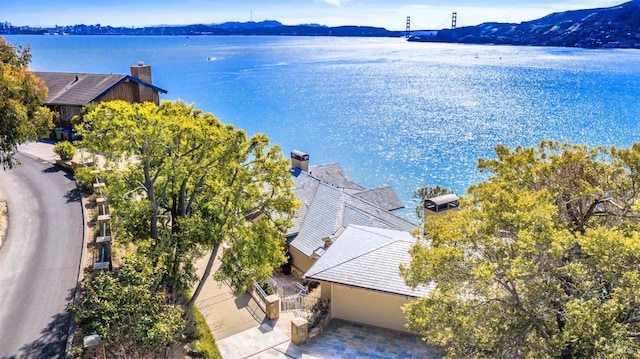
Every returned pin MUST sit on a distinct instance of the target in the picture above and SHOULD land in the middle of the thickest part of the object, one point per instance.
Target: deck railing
(258, 294)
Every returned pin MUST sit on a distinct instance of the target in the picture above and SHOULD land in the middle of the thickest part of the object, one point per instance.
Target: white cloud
(338, 3)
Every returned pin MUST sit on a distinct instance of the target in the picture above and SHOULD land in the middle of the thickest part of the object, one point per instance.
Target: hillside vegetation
(613, 27)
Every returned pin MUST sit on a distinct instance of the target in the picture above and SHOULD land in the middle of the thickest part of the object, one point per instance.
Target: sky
(390, 14)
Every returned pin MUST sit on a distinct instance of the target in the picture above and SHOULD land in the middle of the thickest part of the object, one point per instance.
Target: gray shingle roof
(368, 258)
(333, 174)
(76, 89)
(384, 197)
(325, 209)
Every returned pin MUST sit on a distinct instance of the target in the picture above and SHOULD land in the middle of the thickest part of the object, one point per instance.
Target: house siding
(129, 91)
(66, 113)
(124, 91)
(368, 307)
(300, 260)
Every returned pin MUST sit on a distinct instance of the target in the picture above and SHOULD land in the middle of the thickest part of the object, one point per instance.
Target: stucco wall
(325, 290)
(299, 260)
(368, 307)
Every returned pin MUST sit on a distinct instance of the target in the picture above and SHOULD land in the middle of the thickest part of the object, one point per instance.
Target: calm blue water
(389, 111)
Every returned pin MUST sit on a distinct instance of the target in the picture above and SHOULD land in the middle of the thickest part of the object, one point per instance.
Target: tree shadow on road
(53, 339)
(72, 196)
(55, 168)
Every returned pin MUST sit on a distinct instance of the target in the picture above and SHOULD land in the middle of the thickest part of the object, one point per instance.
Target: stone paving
(257, 341)
(341, 339)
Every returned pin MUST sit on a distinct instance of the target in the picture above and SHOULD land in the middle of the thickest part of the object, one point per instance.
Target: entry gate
(291, 296)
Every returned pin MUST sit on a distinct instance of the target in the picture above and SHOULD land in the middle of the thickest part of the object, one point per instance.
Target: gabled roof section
(333, 174)
(325, 209)
(385, 197)
(368, 258)
(77, 89)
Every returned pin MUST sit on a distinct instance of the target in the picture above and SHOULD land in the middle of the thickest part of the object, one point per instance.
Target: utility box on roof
(441, 204)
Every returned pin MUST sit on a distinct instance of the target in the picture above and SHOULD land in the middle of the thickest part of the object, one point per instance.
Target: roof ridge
(340, 216)
(376, 188)
(309, 199)
(355, 196)
(327, 164)
(382, 209)
(392, 239)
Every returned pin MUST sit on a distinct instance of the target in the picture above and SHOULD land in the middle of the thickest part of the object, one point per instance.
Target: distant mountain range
(269, 27)
(613, 27)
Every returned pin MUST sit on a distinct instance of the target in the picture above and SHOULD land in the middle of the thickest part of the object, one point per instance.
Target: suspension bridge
(452, 25)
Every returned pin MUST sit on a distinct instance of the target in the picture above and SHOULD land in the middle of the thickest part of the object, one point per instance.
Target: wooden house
(70, 92)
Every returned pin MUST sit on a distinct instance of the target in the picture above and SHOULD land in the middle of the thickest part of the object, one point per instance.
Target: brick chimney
(143, 73)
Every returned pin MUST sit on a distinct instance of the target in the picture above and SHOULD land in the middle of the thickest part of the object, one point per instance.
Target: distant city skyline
(390, 14)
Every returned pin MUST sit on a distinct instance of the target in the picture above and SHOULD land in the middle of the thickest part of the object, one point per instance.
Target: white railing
(102, 258)
(291, 296)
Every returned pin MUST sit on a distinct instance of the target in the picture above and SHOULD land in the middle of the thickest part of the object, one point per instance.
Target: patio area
(341, 339)
(242, 331)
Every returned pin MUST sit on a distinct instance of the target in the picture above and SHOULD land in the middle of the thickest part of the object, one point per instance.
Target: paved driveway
(225, 314)
(39, 260)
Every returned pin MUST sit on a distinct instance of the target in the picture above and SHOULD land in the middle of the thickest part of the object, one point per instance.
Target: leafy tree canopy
(541, 261)
(190, 183)
(22, 117)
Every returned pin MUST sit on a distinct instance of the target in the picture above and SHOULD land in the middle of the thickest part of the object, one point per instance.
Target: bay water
(389, 111)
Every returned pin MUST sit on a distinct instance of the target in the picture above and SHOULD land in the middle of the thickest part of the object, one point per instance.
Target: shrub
(65, 150)
(267, 287)
(85, 178)
(201, 341)
(205, 345)
(319, 310)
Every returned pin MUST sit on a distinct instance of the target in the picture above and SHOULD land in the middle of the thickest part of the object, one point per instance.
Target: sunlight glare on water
(389, 111)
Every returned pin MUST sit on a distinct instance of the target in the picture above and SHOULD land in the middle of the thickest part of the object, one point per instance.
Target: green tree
(128, 312)
(22, 116)
(542, 260)
(191, 184)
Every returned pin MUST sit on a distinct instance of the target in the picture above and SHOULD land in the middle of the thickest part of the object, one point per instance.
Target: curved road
(39, 259)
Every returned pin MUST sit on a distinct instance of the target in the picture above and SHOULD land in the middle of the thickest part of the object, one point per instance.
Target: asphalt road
(39, 259)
